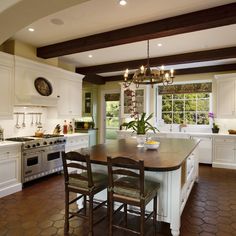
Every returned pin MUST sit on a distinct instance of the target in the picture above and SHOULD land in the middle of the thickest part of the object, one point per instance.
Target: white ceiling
(96, 16)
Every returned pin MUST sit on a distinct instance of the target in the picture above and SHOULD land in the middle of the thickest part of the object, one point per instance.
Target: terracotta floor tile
(39, 209)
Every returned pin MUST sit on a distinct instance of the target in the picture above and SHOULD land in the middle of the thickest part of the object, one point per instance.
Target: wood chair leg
(85, 204)
(125, 211)
(111, 207)
(90, 215)
(66, 227)
(155, 214)
(142, 219)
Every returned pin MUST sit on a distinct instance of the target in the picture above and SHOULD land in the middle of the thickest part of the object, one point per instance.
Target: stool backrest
(73, 160)
(125, 167)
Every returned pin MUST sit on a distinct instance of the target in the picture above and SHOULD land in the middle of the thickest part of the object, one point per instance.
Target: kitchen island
(174, 165)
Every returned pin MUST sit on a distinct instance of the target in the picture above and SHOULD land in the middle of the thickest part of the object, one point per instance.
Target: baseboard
(10, 190)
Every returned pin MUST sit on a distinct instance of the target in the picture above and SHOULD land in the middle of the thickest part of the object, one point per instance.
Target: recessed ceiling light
(90, 55)
(31, 29)
(159, 44)
(123, 2)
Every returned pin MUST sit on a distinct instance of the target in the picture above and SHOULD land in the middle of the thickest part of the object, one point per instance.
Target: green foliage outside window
(191, 108)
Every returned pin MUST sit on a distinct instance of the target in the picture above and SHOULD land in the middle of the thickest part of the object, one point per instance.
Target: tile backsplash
(48, 123)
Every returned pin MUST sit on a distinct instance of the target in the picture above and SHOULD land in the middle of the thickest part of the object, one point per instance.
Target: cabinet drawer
(224, 140)
(6, 153)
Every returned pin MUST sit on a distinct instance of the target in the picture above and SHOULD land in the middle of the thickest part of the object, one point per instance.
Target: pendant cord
(148, 53)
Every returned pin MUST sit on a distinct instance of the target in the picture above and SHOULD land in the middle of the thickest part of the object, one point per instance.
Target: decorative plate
(43, 86)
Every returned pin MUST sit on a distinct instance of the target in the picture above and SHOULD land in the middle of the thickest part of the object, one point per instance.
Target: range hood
(26, 72)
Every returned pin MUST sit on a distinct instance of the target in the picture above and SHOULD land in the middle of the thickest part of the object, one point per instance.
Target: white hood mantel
(26, 71)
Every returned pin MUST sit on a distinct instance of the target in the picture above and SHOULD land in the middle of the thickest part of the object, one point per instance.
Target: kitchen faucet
(182, 126)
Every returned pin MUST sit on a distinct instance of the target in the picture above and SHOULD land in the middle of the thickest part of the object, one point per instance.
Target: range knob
(55, 141)
(38, 144)
(64, 140)
(45, 143)
(50, 143)
(28, 146)
(33, 145)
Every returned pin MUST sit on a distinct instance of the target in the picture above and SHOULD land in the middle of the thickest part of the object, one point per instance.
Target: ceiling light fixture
(31, 29)
(146, 75)
(123, 2)
(159, 44)
(90, 55)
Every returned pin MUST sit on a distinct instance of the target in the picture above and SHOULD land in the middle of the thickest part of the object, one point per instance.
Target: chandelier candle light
(146, 75)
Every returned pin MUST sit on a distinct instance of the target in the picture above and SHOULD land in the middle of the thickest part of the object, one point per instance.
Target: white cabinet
(7, 85)
(140, 100)
(204, 148)
(226, 95)
(70, 97)
(10, 169)
(76, 141)
(224, 153)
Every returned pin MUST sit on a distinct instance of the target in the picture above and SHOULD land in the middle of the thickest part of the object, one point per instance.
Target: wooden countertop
(169, 156)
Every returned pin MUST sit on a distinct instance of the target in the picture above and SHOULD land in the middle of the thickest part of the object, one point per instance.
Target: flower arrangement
(215, 128)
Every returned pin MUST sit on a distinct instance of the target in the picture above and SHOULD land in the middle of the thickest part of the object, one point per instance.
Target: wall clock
(43, 86)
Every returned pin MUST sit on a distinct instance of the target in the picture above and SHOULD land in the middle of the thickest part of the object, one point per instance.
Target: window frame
(158, 106)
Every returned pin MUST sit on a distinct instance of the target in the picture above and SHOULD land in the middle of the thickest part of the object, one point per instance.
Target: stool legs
(111, 207)
(155, 213)
(142, 219)
(66, 227)
(90, 215)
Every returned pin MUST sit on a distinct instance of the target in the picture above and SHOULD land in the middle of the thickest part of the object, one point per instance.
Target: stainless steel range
(41, 156)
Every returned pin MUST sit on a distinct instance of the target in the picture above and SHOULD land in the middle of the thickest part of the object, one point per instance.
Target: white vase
(141, 138)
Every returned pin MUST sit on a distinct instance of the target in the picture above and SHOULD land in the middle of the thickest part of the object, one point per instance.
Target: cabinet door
(226, 98)
(70, 98)
(225, 152)
(204, 149)
(87, 109)
(6, 92)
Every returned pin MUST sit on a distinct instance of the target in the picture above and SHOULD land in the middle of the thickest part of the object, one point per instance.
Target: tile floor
(39, 209)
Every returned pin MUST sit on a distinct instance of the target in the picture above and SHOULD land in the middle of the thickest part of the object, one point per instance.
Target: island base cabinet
(173, 193)
(10, 171)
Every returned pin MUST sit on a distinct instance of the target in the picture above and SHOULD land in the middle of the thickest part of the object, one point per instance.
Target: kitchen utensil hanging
(39, 123)
(32, 119)
(17, 121)
(23, 122)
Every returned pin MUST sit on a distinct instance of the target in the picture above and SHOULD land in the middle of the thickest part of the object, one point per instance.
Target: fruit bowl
(152, 144)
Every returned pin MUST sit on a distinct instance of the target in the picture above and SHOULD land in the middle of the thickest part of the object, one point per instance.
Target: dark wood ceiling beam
(94, 79)
(197, 70)
(208, 55)
(194, 21)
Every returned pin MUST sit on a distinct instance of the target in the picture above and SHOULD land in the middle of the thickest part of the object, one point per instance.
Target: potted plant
(141, 125)
(215, 128)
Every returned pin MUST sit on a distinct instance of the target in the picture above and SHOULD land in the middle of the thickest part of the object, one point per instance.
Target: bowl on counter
(152, 144)
(232, 131)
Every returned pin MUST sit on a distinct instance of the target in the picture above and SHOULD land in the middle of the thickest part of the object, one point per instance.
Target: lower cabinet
(224, 152)
(205, 148)
(10, 169)
(76, 141)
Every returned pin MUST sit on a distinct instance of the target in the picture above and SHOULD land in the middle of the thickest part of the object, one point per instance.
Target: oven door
(32, 162)
(53, 158)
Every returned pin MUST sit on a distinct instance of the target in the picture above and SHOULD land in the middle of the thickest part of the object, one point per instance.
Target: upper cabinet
(139, 101)
(226, 96)
(7, 85)
(87, 109)
(70, 95)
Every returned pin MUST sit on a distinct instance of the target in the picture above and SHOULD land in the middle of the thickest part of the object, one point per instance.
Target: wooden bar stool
(85, 183)
(129, 187)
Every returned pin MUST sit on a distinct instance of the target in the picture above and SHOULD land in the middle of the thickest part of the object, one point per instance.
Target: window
(189, 108)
